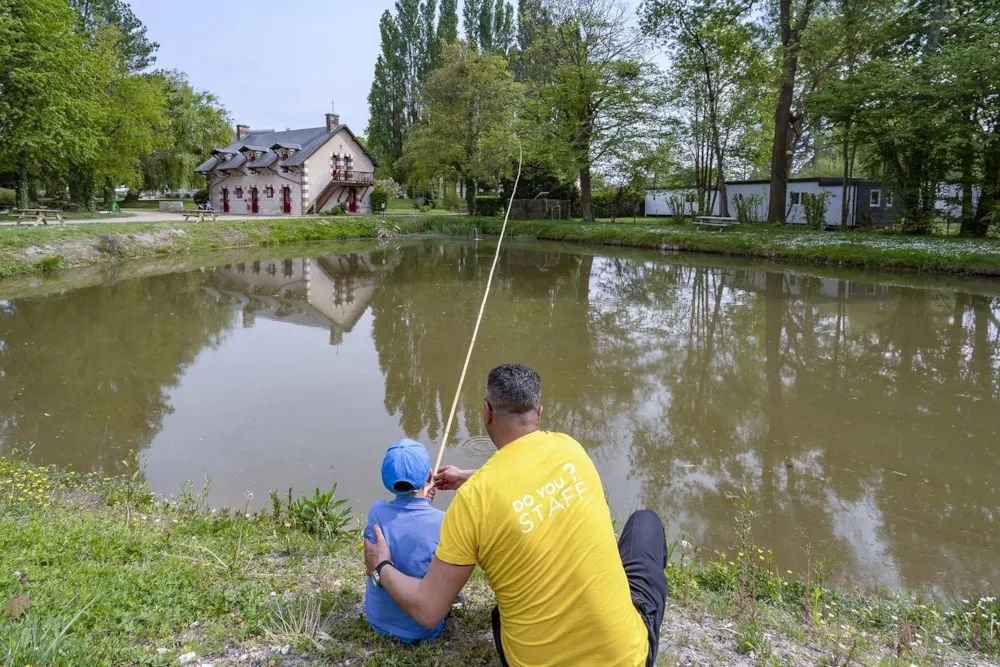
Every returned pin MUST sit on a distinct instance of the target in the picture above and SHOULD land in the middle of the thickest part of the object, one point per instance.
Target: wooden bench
(715, 221)
(40, 215)
(200, 215)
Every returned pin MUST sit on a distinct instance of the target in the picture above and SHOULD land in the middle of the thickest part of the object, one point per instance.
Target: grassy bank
(25, 250)
(98, 570)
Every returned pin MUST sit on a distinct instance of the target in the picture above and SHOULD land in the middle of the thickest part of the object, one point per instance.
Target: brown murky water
(862, 411)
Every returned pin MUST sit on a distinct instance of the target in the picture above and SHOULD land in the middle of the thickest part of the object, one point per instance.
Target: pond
(861, 410)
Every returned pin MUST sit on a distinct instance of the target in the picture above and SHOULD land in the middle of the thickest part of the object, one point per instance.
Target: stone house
(293, 172)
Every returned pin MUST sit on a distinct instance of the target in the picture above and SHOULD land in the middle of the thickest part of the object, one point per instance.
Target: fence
(540, 209)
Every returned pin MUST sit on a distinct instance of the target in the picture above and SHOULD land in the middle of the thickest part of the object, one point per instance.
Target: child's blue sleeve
(372, 521)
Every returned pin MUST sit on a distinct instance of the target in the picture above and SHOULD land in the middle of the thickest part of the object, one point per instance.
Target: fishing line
(475, 331)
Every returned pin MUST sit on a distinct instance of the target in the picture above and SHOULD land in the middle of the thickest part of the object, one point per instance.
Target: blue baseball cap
(406, 467)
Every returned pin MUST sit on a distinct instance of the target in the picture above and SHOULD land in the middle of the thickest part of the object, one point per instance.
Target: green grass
(116, 575)
(125, 573)
(79, 244)
(154, 204)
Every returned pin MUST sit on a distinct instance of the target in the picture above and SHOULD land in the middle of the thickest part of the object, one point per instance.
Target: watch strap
(378, 568)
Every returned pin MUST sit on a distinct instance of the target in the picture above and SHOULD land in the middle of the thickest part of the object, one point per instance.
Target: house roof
(207, 165)
(265, 160)
(305, 142)
(234, 162)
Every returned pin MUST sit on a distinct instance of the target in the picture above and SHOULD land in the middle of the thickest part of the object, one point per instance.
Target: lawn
(154, 204)
(100, 571)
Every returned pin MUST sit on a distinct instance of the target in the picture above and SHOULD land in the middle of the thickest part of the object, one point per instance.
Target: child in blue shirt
(412, 527)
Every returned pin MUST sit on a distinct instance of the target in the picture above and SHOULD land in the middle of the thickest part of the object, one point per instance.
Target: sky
(273, 64)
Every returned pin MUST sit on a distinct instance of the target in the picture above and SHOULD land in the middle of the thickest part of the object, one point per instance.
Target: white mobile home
(867, 201)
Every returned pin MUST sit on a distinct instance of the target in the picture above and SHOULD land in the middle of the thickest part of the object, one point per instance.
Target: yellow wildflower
(740, 554)
(789, 571)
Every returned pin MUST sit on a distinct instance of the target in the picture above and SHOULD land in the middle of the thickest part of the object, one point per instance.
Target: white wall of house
(757, 195)
(320, 172)
(270, 206)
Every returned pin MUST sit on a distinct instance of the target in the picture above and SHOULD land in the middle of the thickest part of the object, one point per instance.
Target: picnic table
(715, 221)
(41, 215)
(200, 215)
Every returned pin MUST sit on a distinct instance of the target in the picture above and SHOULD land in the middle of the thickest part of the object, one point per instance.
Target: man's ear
(487, 413)
(539, 418)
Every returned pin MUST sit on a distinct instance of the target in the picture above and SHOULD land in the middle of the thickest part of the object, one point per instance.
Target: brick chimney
(332, 121)
(242, 131)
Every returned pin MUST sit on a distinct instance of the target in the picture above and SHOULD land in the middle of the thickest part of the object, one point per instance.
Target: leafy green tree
(467, 131)
(136, 48)
(600, 88)
(49, 91)
(719, 66)
(489, 25)
(196, 123)
(410, 49)
(448, 22)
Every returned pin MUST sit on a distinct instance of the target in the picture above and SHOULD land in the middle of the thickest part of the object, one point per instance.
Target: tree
(49, 82)
(136, 48)
(196, 123)
(599, 89)
(409, 51)
(718, 65)
(466, 132)
(793, 20)
(448, 22)
(489, 25)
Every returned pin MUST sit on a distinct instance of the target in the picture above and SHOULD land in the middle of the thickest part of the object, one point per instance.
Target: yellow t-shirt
(535, 519)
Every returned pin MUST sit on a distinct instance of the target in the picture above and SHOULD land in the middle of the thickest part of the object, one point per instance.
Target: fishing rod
(479, 318)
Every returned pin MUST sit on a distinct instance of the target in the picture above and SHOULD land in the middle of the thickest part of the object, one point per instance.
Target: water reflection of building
(325, 292)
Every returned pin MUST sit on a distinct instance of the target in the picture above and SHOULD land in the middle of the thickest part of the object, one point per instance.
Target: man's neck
(508, 435)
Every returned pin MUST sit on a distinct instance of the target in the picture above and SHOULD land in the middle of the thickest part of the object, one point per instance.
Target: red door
(254, 202)
(352, 205)
(225, 200)
(286, 199)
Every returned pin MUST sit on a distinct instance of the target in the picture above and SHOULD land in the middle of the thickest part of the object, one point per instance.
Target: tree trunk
(968, 227)
(470, 196)
(22, 188)
(586, 206)
(779, 149)
(844, 204)
(783, 112)
(989, 195)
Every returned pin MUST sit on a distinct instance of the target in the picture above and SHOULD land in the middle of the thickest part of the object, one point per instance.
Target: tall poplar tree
(448, 22)
(410, 49)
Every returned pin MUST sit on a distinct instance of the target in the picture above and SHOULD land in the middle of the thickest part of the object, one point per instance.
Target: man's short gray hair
(514, 389)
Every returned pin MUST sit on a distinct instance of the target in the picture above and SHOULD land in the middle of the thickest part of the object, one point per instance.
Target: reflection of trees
(423, 315)
(99, 361)
(857, 413)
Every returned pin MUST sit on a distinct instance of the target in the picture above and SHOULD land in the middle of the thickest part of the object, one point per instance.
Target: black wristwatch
(377, 572)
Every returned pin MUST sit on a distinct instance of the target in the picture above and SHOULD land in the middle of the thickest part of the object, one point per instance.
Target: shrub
(8, 198)
(815, 206)
(201, 196)
(750, 210)
(321, 514)
(380, 196)
(489, 206)
(49, 263)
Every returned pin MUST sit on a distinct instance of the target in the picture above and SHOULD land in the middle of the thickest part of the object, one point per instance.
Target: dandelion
(788, 571)
(732, 563)
(740, 554)
(288, 525)
(760, 557)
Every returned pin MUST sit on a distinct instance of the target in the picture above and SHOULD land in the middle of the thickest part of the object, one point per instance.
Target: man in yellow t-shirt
(535, 518)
